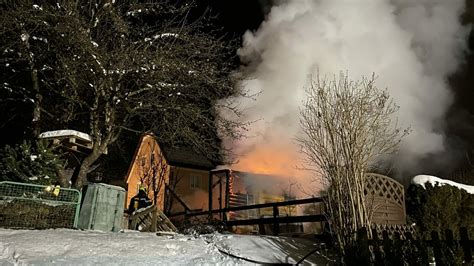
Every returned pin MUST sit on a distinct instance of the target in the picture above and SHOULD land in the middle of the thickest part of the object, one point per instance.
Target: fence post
(466, 245)
(414, 251)
(423, 246)
(133, 223)
(376, 245)
(387, 247)
(363, 246)
(210, 198)
(186, 217)
(397, 248)
(276, 226)
(78, 209)
(154, 220)
(449, 239)
(436, 247)
(261, 228)
(221, 214)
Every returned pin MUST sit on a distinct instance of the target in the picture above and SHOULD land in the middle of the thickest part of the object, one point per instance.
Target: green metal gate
(24, 205)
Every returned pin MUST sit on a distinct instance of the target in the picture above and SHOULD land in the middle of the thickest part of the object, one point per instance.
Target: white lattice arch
(385, 199)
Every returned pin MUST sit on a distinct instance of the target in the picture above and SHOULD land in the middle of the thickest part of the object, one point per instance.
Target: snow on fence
(24, 205)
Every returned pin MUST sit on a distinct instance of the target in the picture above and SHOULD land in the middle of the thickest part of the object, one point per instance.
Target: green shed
(102, 207)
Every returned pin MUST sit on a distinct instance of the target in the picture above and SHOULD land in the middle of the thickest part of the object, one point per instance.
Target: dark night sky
(237, 16)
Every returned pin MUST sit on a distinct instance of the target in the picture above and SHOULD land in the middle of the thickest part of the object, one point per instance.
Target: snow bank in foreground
(75, 247)
(433, 180)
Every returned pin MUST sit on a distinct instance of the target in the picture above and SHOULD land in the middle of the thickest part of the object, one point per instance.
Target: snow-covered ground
(433, 180)
(75, 247)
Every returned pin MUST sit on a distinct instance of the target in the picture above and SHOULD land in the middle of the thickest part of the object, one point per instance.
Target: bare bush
(347, 126)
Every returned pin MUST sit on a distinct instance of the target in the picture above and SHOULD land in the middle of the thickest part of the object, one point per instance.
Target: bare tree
(120, 65)
(347, 126)
(153, 173)
(175, 178)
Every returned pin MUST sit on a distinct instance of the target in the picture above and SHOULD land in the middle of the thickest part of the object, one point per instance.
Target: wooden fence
(150, 219)
(275, 220)
(408, 250)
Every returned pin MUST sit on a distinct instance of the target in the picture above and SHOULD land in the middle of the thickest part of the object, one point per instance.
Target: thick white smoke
(411, 45)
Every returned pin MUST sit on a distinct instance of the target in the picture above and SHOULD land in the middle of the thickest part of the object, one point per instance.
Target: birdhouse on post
(70, 139)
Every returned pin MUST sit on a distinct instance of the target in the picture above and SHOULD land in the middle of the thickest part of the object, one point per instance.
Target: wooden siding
(196, 197)
(141, 161)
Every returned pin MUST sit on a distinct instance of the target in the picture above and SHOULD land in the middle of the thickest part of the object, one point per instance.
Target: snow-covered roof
(65, 133)
(433, 180)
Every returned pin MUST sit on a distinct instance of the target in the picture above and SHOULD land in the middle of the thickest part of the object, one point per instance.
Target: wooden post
(412, 259)
(276, 225)
(322, 211)
(376, 245)
(186, 216)
(221, 214)
(437, 248)
(154, 219)
(210, 197)
(363, 246)
(387, 247)
(261, 228)
(132, 224)
(227, 192)
(466, 245)
(398, 248)
(423, 247)
(449, 239)
(166, 210)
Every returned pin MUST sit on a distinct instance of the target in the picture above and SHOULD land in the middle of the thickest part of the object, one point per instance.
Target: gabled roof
(175, 156)
(186, 157)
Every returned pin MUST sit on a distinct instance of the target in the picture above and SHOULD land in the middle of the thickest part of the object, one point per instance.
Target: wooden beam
(221, 215)
(210, 197)
(264, 205)
(186, 208)
(285, 219)
(227, 192)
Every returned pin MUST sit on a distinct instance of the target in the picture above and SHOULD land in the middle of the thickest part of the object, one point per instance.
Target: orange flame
(282, 159)
(279, 160)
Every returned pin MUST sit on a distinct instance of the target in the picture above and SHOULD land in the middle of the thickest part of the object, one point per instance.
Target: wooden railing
(140, 217)
(170, 194)
(275, 220)
(150, 219)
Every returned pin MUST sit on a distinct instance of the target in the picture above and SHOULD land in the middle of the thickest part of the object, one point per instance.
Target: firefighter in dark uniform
(139, 201)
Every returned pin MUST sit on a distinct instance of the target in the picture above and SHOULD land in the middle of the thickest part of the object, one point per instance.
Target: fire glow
(275, 164)
(280, 160)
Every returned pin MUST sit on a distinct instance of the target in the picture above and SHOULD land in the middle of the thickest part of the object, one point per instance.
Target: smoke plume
(411, 45)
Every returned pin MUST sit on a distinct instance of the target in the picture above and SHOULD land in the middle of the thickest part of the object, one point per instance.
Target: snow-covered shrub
(31, 162)
(439, 208)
